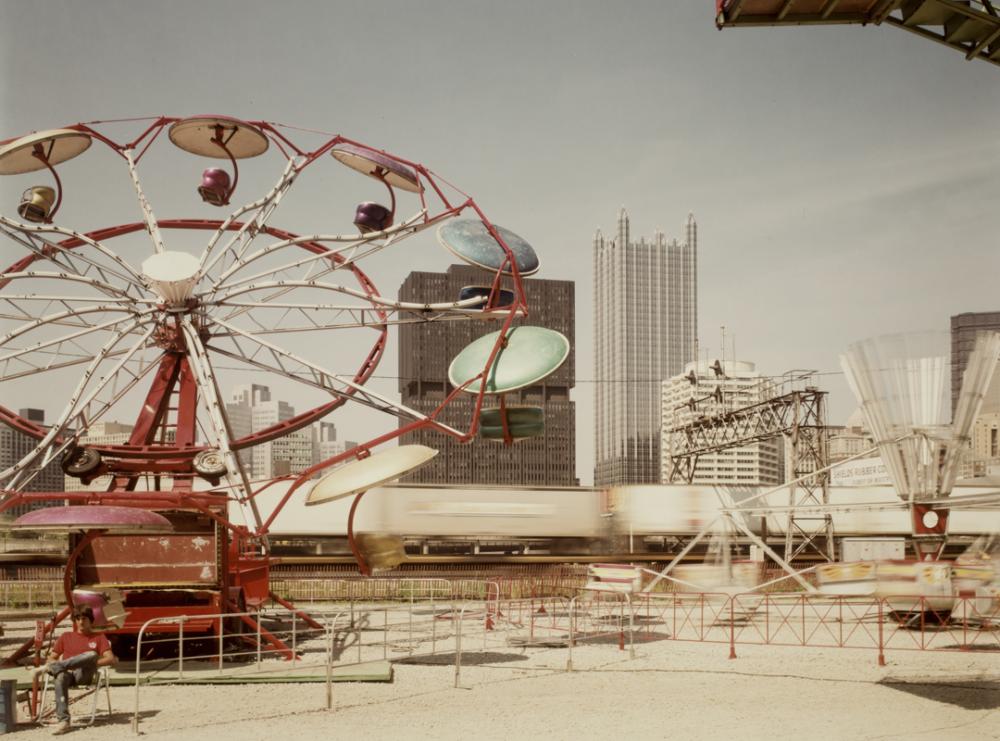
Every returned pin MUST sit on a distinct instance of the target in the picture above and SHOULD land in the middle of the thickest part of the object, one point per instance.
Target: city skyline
(840, 174)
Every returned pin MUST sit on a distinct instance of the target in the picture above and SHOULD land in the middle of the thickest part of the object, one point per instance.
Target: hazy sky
(840, 176)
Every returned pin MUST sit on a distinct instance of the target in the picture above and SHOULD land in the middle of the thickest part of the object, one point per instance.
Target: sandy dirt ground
(671, 689)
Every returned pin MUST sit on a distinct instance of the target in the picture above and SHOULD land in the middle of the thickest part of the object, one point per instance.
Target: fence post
(458, 647)
(329, 666)
(222, 633)
(732, 629)
(385, 633)
(631, 629)
(358, 628)
(572, 634)
(180, 649)
(881, 652)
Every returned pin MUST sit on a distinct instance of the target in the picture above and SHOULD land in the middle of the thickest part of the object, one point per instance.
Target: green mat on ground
(206, 672)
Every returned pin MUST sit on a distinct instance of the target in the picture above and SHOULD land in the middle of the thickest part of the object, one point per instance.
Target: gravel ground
(671, 689)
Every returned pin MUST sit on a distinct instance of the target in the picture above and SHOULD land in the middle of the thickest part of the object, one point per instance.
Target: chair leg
(101, 679)
(107, 690)
(93, 704)
(40, 711)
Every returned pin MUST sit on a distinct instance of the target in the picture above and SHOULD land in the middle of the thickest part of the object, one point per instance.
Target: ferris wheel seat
(471, 241)
(36, 203)
(106, 604)
(381, 551)
(372, 217)
(505, 298)
(215, 187)
(522, 423)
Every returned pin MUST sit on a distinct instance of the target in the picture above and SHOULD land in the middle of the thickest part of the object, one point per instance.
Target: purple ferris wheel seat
(372, 217)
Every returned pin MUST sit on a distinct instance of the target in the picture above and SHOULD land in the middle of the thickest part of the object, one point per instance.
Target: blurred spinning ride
(150, 313)
(902, 385)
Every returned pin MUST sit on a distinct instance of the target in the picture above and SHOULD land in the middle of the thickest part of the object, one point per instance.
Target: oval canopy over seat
(195, 135)
(522, 422)
(58, 145)
(470, 240)
(362, 475)
(378, 165)
(531, 354)
(80, 518)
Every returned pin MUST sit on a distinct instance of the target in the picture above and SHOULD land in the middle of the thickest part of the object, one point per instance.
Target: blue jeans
(78, 670)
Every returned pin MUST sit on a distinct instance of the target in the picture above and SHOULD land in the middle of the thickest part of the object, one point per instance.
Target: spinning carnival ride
(151, 312)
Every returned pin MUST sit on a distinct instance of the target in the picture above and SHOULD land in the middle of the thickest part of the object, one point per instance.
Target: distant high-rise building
(14, 445)
(325, 444)
(427, 349)
(252, 410)
(645, 331)
(964, 328)
(756, 464)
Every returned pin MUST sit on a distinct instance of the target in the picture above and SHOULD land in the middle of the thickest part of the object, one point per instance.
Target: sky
(840, 176)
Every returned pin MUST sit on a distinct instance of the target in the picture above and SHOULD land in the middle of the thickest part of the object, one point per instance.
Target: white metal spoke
(359, 319)
(70, 338)
(79, 299)
(53, 452)
(43, 275)
(354, 241)
(56, 362)
(326, 380)
(78, 403)
(147, 211)
(244, 235)
(50, 250)
(221, 429)
(226, 300)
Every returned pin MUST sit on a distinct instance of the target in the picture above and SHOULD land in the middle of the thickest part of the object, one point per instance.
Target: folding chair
(102, 678)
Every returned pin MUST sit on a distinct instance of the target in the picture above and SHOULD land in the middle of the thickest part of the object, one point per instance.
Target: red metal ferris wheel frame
(167, 379)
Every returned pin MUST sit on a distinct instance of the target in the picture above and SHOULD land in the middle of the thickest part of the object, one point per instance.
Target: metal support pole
(180, 649)
(732, 629)
(881, 651)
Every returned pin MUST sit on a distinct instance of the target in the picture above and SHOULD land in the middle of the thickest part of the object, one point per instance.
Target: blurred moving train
(434, 519)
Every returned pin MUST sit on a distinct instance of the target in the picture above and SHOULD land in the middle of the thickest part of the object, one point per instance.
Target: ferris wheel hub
(172, 276)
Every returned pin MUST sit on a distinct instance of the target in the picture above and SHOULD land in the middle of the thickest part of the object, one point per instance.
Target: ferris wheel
(144, 313)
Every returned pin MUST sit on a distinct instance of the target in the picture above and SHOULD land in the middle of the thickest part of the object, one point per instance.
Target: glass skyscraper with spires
(645, 331)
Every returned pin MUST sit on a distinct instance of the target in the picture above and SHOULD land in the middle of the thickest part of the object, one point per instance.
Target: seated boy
(73, 660)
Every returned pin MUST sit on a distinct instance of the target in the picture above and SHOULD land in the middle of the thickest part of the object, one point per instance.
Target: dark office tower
(425, 352)
(964, 328)
(645, 331)
(14, 445)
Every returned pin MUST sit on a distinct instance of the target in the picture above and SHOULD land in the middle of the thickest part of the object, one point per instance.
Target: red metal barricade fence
(897, 623)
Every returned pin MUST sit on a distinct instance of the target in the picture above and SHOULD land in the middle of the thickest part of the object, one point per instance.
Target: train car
(632, 519)
(448, 519)
(650, 518)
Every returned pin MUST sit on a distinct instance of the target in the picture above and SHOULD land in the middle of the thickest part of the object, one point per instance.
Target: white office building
(684, 401)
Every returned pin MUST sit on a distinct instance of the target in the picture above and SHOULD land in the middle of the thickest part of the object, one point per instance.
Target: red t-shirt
(71, 644)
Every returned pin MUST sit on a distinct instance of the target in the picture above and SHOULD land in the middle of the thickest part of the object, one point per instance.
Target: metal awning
(972, 27)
